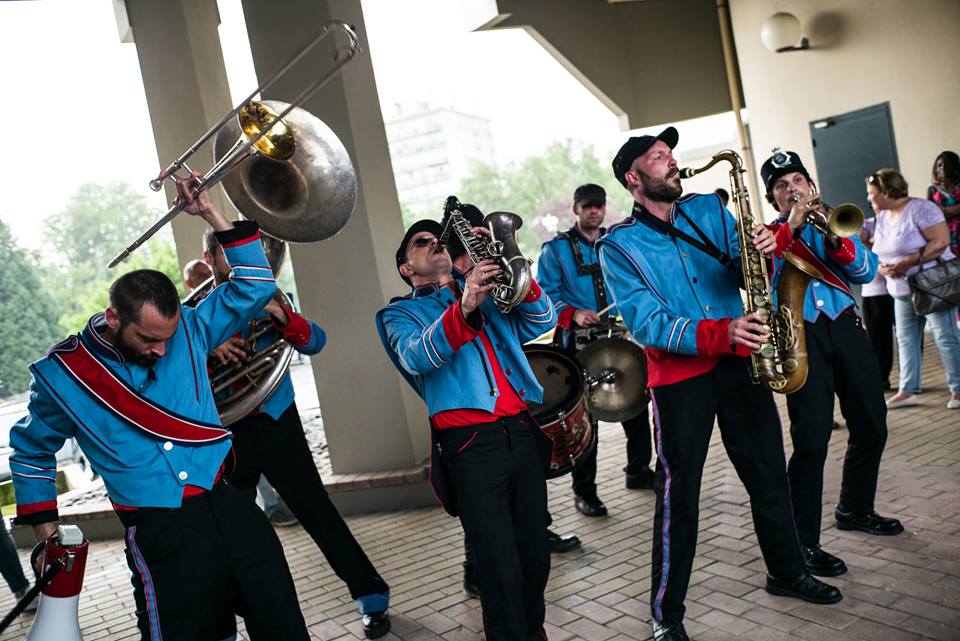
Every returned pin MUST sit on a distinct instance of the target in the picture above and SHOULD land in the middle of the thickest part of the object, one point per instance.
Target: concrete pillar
(186, 87)
(372, 420)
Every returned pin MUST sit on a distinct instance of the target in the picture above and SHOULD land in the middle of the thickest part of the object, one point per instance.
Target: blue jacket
(852, 263)
(421, 336)
(139, 468)
(668, 292)
(558, 276)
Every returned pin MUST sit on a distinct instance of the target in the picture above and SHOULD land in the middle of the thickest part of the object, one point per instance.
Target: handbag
(936, 288)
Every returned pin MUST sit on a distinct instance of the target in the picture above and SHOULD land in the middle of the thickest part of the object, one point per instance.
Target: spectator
(195, 273)
(945, 193)
(10, 567)
(910, 234)
(878, 313)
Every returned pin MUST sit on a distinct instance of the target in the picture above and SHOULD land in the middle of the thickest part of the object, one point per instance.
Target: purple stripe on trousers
(148, 591)
(665, 530)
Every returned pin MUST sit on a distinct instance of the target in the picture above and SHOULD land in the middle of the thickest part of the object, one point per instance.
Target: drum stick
(606, 309)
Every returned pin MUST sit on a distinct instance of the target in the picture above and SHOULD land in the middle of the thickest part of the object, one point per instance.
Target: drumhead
(561, 378)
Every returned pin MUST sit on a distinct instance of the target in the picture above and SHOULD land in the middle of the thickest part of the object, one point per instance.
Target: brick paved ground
(898, 588)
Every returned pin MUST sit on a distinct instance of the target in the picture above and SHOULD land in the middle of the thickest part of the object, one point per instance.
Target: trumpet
(844, 220)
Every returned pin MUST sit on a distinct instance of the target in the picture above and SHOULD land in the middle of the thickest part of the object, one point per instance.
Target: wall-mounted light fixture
(782, 32)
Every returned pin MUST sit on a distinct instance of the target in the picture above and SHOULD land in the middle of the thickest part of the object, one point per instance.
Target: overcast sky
(74, 111)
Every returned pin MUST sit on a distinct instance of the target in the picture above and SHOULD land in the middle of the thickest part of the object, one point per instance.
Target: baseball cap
(637, 146)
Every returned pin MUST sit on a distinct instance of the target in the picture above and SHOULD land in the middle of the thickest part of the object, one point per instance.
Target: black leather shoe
(669, 632)
(642, 480)
(804, 587)
(871, 523)
(470, 587)
(590, 506)
(376, 624)
(820, 562)
(562, 542)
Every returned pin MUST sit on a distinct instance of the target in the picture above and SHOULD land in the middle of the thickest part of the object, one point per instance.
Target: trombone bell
(278, 143)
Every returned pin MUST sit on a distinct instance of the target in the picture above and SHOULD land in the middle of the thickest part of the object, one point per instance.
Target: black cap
(779, 164)
(474, 216)
(421, 225)
(589, 194)
(637, 146)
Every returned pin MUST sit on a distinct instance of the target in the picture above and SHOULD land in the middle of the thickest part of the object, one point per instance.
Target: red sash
(801, 250)
(126, 404)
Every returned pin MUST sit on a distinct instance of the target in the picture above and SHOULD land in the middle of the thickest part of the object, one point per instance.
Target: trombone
(264, 132)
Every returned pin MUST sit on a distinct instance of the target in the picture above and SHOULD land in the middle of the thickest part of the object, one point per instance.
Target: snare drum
(562, 414)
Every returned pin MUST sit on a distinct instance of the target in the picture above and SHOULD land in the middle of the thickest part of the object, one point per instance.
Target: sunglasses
(423, 241)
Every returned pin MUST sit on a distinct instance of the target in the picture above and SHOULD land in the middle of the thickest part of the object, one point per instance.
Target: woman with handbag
(910, 235)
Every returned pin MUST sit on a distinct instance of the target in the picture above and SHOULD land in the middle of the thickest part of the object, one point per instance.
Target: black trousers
(500, 492)
(684, 414)
(279, 449)
(878, 321)
(186, 560)
(637, 430)
(842, 361)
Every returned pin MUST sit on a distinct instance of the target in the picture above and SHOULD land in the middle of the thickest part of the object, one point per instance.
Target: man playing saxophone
(673, 268)
(488, 459)
(840, 360)
(271, 441)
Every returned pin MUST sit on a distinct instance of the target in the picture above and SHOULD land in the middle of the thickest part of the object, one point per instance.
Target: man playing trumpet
(840, 360)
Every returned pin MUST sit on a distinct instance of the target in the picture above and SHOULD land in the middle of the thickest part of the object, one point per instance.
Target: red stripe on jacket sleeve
(297, 329)
(243, 232)
(31, 508)
(784, 236)
(456, 328)
(713, 337)
(566, 317)
(845, 254)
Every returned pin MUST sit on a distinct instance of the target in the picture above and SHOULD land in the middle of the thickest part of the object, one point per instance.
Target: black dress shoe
(590, 505)
(376, 624)
(669, 632)
(470, 587)
(642, 480)
(804, 587)
(562, 542)
(871, 522)
(820, 562)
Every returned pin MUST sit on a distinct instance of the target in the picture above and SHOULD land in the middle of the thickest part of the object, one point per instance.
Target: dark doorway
(848, 148)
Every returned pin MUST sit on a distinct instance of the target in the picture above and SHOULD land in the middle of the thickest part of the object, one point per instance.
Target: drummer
(569, 273)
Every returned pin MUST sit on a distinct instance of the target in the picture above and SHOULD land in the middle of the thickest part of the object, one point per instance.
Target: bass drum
(562, 415)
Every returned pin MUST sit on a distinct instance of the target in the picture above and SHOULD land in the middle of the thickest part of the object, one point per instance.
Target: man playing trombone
(840, 360)
(132, 388)
(488, 459)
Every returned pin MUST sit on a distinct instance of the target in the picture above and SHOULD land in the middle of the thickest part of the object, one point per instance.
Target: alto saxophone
(513, 282)
(781, 361)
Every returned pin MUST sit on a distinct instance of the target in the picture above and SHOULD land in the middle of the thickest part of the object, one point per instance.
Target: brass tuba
(781, 362)
(513, 283)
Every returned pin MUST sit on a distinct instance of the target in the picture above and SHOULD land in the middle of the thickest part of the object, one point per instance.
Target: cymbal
(617, 371)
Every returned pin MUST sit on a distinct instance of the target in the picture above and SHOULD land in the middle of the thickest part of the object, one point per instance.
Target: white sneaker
(903, 402)
(953, 404)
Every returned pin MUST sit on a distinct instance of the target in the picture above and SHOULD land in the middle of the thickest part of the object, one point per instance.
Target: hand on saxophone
(763, 239)
(749, 331)
(478, 284)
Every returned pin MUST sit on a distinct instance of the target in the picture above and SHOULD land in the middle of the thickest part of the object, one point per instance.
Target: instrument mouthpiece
(688, 172)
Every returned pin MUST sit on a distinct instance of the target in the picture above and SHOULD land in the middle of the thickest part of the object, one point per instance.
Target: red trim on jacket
(508, 403)
(534, 294)
(845, 254)
(784, 236)
(666, 368)
(456, 328)
(297, 329)
(566, 317)
(32, 508)
(242, 241)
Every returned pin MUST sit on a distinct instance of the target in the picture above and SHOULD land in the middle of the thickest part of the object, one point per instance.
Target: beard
(130, 353)
(661, 191)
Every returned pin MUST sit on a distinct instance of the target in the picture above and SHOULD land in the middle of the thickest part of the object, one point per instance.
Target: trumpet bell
(845, 220)
(302, 199)
(278, 144)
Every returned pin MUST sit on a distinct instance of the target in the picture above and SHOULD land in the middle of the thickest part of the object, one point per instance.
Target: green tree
(28, 315)
(98, 221)
(540, 189)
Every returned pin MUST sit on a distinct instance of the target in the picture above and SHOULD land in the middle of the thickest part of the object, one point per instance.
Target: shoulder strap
(593, 269)
(705, 244)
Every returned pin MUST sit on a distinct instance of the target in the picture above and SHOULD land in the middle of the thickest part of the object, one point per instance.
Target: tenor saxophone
(781, 361)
